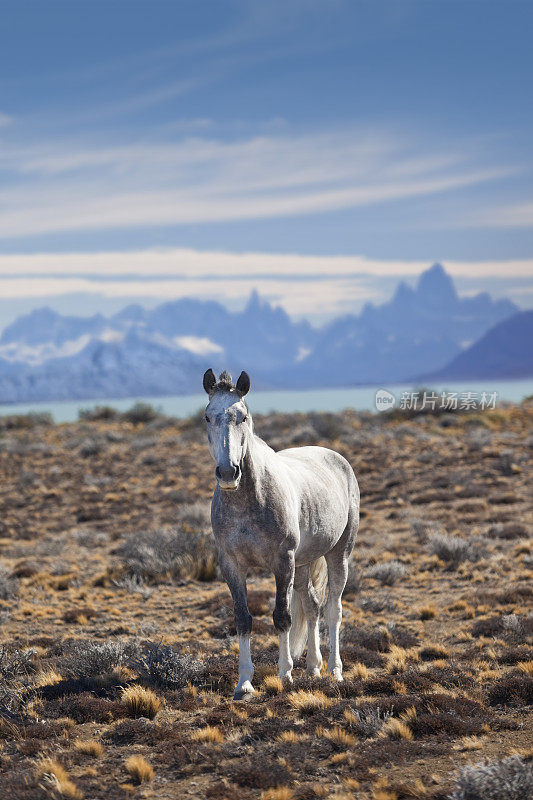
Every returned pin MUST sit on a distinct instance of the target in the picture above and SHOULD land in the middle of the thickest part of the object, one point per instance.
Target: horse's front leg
(243, 622)
(284, 574)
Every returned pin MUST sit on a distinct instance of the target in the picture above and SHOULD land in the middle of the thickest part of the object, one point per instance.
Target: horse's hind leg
(307, 595)
(337, 561)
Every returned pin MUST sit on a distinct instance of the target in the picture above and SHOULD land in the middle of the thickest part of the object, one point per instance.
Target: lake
(361, 398)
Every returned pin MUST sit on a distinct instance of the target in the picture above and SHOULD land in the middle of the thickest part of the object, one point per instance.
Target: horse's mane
(225, 382)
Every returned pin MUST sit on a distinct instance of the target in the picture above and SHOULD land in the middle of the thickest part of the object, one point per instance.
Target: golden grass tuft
(277, 793)
(358, 670)
(351, 784)
(395, 729)
(290, 737)
(54, 775)
(409, 715)
(427, 612)
(526, 667)
(89, 747)
(48, 677)
(140, 771)
(350, 717)
(308, 702)
(272, 684)
(340, 737)
(141, 702)
(382, 791)
(396, 660)
(210, 734)
(432, 651)
(468, 743)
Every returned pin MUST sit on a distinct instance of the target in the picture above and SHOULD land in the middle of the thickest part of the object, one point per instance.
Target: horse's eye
(245, 418)
(206, 418)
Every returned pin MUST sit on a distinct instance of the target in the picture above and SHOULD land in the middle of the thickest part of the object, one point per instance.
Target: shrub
(454, 550)
(91, 447)
(134, 584)
(23, 421)
(509, 779)
(520, 627)
(377, 639)
(86, 659)
(387, 573)
(8, 584)
(14, 663)
(162, 666)
(423, 528)
(97, 414)
(140, 413)
(169, 553)
(512, 690)
(367, 722)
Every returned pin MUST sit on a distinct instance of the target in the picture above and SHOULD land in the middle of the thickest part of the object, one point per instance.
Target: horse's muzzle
(228, 477)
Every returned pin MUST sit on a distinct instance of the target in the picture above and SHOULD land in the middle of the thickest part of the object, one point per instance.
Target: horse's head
(229, 425)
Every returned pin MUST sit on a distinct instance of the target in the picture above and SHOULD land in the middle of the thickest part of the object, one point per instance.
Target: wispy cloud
(59, 187)
(315, 286)
(513, 216)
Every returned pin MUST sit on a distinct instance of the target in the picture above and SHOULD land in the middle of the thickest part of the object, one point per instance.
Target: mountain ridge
(138, 351)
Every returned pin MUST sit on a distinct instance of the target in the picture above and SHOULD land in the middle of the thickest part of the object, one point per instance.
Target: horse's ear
(209, 381)
(243, 384)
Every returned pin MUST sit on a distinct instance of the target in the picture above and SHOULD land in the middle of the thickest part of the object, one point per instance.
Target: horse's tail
(318, 572)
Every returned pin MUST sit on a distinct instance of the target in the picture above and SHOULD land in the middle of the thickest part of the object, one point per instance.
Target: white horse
(295, 512)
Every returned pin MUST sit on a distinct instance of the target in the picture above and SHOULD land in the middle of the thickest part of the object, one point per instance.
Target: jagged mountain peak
(143, 351)
(436, 287)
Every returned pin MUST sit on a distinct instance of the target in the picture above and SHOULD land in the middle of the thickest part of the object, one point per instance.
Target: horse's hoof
(314, 673)
(245, 692)
(336, 674)
(286, 677)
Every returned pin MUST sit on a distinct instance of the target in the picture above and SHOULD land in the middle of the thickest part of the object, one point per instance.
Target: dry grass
(433, 651)
(427, 612)
(89, 747)
(358, 670)
(139, 770)
(141, 702)
(397, 660)
(340, 737)
(54, 776)
(468, 743)
(308, 702)
(395, 729)
(278, 793)
(272, 684)
(210, 734)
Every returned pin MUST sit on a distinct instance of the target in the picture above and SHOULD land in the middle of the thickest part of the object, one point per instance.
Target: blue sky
(317, 149)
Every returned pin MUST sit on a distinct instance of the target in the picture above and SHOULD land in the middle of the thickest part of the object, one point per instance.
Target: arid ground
(118, 652)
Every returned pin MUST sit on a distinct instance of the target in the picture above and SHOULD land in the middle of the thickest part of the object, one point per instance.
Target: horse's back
(320, 464)
(328, 497)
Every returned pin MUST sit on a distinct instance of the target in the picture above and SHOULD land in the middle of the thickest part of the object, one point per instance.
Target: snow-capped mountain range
(45, 355)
